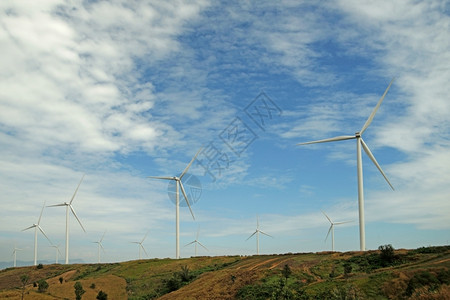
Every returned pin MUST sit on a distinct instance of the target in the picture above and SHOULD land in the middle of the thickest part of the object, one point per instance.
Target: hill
(422, 273)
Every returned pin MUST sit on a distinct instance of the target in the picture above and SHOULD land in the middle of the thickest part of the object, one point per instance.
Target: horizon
(121, 91)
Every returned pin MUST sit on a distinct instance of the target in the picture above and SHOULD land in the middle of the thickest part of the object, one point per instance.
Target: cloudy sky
(122, 90)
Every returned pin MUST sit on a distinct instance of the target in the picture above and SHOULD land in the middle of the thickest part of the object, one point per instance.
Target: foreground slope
(423, 273)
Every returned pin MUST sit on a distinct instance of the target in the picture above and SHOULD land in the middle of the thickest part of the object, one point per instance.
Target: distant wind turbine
(36, 226)
(179, 185)
(360, 142)
(57, 252)
(99, 243)
(15, 254)
(332, 224)
(141, 245)
(257, 232)
(69, 205)
(196, 241)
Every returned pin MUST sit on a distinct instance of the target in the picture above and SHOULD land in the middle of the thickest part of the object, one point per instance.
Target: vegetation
(42, 285)
(385, 273)
(79, 291)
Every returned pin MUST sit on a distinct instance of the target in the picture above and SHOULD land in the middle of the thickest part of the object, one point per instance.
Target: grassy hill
(422, 273)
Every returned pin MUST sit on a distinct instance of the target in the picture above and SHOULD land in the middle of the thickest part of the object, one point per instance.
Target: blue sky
(122, 90)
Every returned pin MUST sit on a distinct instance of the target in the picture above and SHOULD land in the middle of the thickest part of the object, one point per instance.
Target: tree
(24, 279)
(387, 255)
(286, 272)
(102, 296)
(79, 291)
(42, 285)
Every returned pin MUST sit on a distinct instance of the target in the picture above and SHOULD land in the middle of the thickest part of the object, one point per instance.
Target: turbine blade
(189, 165)
(186, 198)
(101, 246)
(76, 190)
(161, 177)
(257, 222)
(329, 232)
(369, 120)
(265, 233)
(327, 216)
(251, 235)
(198, 231)
(337, 138)
(62, 204)
(144, 237)
(42, 230)
(73, 211)
(190, 243)
(42, 210)
(345, 222)
(102, 236)
(144, 250)
(32, 226)
(202, 246)
(369, 153)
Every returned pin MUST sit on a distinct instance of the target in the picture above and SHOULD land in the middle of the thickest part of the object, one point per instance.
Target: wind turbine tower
(36, 226)
(99, 243)
(69, 205)
(195, 242)
(360, 143)
(140, 245)
(179, 186)
(332, 224)
(257, 232)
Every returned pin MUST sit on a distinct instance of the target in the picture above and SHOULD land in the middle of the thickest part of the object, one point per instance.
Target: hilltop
(422, 273)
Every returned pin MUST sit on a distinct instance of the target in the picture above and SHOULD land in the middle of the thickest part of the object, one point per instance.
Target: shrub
(42, 285)
(102, 296)
(61, 280)
(420, 280)
(92, 286)
(39, 266)
(387, 255)
(79, 291)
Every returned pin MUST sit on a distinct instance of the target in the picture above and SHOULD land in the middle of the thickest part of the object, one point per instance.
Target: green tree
(24, 279)
(102, 296)
(387, 255)
(286, 272)
(185, 275)
(42, 285)
(79, 291)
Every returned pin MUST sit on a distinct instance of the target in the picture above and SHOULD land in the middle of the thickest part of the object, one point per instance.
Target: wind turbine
(178, 186)
(141, 246)
(196, 241)
(360, 142)
(36, 226)
(69, 205)
(332, 224)
(57, 252)
(257, 232)
(15, 254)
(99, 243)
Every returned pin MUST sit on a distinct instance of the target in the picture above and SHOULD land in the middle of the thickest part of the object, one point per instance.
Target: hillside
(422, 273)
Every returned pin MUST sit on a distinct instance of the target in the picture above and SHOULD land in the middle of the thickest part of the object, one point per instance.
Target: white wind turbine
(332, 224)
(69, 205)
(141, 245)
(99, 243)
(360, 142)
(15, 254)
(257, 232)
(57, 252)
(178, 186)
(36, 226)
(196, 241)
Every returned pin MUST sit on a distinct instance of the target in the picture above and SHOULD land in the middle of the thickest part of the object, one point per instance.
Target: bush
(387, 254)
(79, 291)
(92, 286)
(39, 266)
(422, 279)
(42, 285)
(61, 280)
(102, 296)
